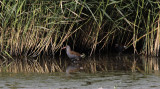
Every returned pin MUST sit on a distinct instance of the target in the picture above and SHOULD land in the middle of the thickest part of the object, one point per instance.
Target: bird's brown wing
(75, 53)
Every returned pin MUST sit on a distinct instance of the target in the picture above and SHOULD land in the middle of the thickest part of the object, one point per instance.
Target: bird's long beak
(63, 48)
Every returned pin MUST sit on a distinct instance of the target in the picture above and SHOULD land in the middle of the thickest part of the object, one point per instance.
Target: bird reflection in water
(73, 68)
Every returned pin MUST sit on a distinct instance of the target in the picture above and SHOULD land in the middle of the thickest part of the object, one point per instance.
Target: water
(140, 73)
(100, 80)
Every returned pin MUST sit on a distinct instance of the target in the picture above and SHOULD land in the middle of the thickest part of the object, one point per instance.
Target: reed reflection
(151, 64)
(94, 64)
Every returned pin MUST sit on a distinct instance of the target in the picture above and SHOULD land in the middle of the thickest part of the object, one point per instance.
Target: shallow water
(105, 80)
(125, 72)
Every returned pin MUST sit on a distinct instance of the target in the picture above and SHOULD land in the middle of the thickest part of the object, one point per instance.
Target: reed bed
(32, 28)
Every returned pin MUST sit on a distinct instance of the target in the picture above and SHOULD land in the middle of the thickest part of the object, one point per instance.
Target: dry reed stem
(156, 45)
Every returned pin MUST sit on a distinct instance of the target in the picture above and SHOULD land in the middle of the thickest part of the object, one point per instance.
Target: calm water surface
(101, 80)
(142, 75)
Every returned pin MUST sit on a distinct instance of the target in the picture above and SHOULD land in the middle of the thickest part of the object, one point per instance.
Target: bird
(120, 48)
(72, 54)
